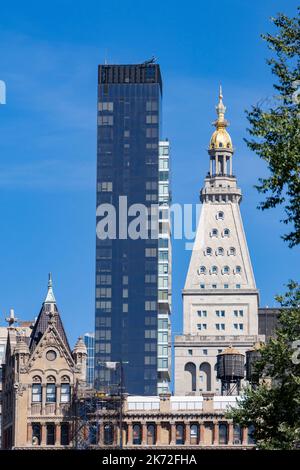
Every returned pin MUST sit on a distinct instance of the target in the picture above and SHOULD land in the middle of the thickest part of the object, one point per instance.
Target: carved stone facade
(39, 377)
(170, 422)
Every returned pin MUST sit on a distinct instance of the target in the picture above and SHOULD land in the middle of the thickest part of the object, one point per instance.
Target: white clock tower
(220, 299)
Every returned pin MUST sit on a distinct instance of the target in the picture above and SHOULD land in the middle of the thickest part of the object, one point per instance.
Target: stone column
(43, 399)
(57, 403)
(244, 436)
(101, 434)
(217, 165)
(157, 432)
(144, 434)
(43, 434)
(29, 434)
(230, 434)
(187, 434)
(216, 433)
(173, 434)
(130, 433)
(201, 433)
(57, 434)
(230, 165)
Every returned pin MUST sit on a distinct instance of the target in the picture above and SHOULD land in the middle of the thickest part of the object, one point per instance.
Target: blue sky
(49, 54)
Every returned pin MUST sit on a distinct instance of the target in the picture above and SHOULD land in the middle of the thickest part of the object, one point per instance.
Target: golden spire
(220, 138)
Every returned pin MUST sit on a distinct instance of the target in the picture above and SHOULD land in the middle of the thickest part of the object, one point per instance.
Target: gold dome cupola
(220, 138)
(220, 145)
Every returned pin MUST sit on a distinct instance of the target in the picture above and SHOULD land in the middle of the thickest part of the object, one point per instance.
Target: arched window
(238, 270)
(137, 434)
(179, 434)
(226, 232)
(194, 436)
(151, 435)
(223, 433)
(190, 376)
(108, 434)
(202, 269)
(208, 251)
(226, 270)
(220, 215)
(232, 250)
(214, 270)
(237, 434)
(220, 251)
(205, 377)
(214, 232)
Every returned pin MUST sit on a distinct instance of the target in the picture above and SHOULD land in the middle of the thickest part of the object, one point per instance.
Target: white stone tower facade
(220, 299)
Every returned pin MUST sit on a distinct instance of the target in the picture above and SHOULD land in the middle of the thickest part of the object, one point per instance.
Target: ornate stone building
(220, 298)
(39, 377)
(169, 421)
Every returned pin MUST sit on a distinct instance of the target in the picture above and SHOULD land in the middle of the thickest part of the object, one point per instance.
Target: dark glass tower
(129, 103)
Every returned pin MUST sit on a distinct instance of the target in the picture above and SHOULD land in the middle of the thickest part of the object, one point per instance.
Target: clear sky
(49, 52)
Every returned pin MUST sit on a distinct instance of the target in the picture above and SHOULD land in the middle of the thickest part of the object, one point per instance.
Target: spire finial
(11, 319)
(50, 295)
(220, 93)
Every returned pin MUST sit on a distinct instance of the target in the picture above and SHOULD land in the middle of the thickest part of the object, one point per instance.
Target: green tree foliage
(273, 407)
(275, 131)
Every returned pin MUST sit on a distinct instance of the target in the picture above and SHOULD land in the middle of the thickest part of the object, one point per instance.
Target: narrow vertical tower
(220, 299)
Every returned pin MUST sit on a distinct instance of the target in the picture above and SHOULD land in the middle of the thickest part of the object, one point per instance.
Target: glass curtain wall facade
(164, 270)
(89, 341)
(126, 320)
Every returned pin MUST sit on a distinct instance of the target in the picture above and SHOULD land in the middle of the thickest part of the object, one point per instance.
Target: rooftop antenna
(150, 61)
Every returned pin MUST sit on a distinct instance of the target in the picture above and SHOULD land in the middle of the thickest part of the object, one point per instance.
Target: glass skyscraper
(130, 315)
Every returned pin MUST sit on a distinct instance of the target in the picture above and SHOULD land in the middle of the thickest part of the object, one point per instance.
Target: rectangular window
(151, 119)
(65, 394)
(235, 326)
(36, 393)
(50, 435)
(214, 286)
(238, 286)
(202, 313)
(202, 286)
(105, 120)
(205, 352)
(125, 293)
(64, 434)
(150, 252)
(163, 324)
(51, 393)
(241, 326)
(241, 313)
(106, 106)
(226, 286)
(105, 186)
(151, 106)
(235, 312)
(190, 352)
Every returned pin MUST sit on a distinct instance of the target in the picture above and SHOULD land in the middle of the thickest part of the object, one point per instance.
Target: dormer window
(238, 270)
(202, 270)
(220, 251)
(208, 251)
(220, 144)
(214, 270)
(214, 232)
(226, 270)
(220, 215)
(226, 232)
(232, 250)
